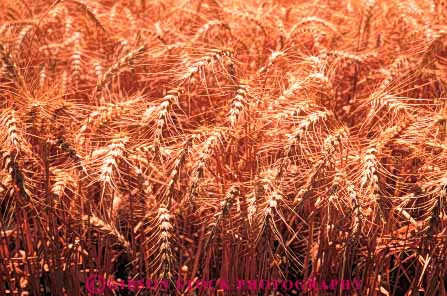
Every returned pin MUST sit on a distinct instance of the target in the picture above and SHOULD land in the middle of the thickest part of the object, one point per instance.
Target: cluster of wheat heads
(223, 140)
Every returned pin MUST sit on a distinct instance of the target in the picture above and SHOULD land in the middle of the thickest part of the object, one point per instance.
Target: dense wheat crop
(223, 140)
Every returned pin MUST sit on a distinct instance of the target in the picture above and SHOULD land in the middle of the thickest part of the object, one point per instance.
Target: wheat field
(225, 141)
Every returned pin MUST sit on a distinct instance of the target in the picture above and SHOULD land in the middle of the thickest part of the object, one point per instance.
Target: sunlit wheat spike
(199, 67)
(170, 100)
(226, 204)
(205, 154)
(107, 228)
(9, 122)
(273, 58)
(114, 153)
(238, 105)
(201, 32)
(160, 243)
(11, 66)
(175, 173)
(114, 69)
